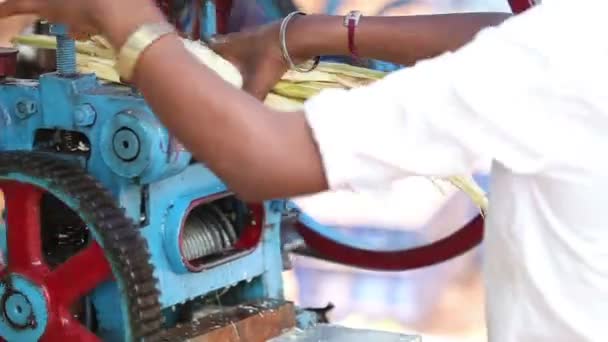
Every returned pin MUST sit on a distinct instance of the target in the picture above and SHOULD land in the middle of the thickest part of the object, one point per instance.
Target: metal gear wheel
(37, 297)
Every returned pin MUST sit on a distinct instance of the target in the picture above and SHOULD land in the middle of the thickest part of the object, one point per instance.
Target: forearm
(259, 153)
(403, 40)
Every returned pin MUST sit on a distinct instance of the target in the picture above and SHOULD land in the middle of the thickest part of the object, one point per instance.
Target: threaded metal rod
(66, 55)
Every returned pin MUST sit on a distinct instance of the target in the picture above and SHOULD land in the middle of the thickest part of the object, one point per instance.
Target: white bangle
(283, 40)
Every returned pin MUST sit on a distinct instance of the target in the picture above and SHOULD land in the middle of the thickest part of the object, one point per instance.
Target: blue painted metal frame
(186, 17)
(161, 168)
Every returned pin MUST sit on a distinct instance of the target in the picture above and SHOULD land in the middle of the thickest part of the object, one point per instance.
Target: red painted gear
(85, 270)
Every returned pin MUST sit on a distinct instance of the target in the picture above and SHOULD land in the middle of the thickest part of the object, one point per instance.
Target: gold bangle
(136, 44)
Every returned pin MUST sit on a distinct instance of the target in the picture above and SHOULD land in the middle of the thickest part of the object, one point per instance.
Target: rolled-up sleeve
(492, 99)
(367, 137)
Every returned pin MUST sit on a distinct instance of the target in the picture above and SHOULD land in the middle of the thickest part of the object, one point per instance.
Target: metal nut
(84, 115)
(26, 108)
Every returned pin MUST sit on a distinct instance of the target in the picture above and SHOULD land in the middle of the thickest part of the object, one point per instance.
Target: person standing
(546, 240)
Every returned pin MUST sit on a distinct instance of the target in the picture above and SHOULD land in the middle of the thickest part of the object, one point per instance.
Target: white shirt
(532, 95)
(409, 204)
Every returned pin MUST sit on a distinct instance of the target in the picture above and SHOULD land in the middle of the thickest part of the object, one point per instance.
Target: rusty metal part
(251, 322)
(8, 62)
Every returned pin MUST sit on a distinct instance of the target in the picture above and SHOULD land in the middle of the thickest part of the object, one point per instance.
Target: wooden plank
(251, 322)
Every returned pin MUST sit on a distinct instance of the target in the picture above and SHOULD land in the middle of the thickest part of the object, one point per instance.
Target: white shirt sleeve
(492, 99)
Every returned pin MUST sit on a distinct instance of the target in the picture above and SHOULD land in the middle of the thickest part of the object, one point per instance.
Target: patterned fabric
(185, 11)
(245, 13)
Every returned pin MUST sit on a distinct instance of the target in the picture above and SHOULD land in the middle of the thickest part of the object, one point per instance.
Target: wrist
(313, 35)
(117, 24)
(299, 48)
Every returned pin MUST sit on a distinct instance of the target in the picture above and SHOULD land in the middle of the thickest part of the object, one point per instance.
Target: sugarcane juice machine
(114, 232)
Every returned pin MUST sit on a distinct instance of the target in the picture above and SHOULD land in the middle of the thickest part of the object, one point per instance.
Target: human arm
(400, 39)
(11, 27)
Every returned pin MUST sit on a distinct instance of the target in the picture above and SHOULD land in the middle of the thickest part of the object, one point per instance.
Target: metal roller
(207, 231)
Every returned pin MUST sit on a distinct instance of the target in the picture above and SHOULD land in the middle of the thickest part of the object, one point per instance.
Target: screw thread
(66, 55)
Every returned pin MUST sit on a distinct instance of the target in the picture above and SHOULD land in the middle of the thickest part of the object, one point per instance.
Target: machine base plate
(254, 322)
(334, 333)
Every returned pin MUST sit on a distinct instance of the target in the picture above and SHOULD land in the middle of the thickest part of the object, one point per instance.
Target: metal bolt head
(84, 115)
(58, 30)
(26, 108)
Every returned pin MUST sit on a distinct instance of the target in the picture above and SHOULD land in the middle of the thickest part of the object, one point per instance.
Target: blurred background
(401, 7)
